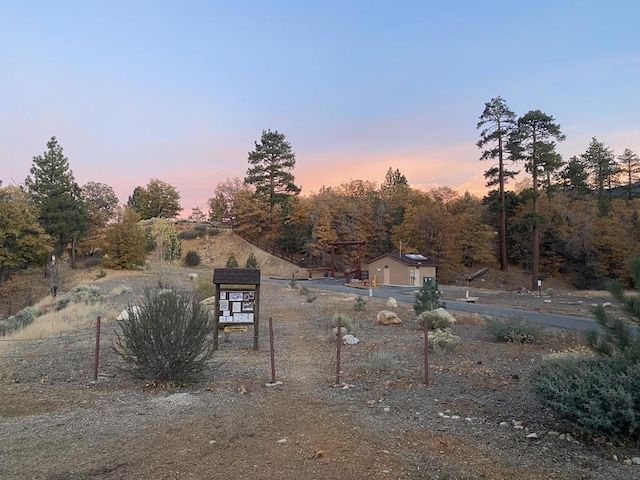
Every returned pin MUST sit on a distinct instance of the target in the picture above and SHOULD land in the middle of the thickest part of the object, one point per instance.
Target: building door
(386, 280)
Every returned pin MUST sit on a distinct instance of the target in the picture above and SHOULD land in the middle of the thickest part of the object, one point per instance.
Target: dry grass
(55, 322)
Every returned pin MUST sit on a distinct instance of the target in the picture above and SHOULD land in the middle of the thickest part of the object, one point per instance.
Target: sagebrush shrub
(442, 340)
(345, 319)
(600, 395)
(80, 294)
(382, 361)
(165, 335)
(190, 234)
(24, 317)
(513, 330)
(192, 259)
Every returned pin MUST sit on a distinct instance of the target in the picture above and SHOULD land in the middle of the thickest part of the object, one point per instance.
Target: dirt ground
(473, 420)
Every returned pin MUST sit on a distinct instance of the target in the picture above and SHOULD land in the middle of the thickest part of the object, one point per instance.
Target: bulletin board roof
(236, 276)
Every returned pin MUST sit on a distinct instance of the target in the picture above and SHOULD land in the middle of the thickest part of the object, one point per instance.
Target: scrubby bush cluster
(190, 234)
(346, 321)
(80, 294)
(600, 395)
(192, 259)
(20, 320)
(442, 340)
(307, 294)
(384, 361)
(198, 231)
(513, 330)
(165, 336)
(436, 319)
(600, 391)
(440, 337)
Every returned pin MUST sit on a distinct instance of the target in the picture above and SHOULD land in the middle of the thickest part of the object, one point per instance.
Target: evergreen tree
(427, 299)
(618, 337)
(574, 177)
(497, 122)
(271, 164)
(601, 161)
(61, 211)
(232, 261)
(532, 142)
(630, 169)
(252, 261)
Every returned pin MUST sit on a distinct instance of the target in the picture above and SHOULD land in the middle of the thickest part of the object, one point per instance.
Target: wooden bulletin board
(237, 294)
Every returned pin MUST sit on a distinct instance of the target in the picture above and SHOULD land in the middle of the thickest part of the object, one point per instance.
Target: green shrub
(382, 361)
(600, 395)
(232, 262)
(165, 336)
(435, 321)
(23, 318)
(304, 291)
(442, 340)
(513, 330)
(212, 231)
(252, 261)
(188, 234)
(192, 259)
(201, 229)
(427, 298)
(360, 304)
(5, 328)
(205, 288)
(80, 294)
(346, 320)
(311, 298)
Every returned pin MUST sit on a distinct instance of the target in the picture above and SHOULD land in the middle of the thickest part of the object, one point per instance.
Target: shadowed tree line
(577, 217)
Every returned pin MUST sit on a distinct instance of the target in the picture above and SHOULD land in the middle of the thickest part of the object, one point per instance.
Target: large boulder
(386, 317)
(209, 301)
(392, 303)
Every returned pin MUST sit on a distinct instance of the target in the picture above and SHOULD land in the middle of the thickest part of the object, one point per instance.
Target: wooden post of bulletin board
(237, 302)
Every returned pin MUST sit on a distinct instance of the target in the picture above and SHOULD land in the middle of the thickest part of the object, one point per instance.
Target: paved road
(401, 294)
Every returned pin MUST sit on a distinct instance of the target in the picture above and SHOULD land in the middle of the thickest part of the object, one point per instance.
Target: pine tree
(618, 337)
(532, 142)
(270, 169)
(61, 211)
(497, 122)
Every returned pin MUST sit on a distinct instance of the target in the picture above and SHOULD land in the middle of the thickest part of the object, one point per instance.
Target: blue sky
(180, 91)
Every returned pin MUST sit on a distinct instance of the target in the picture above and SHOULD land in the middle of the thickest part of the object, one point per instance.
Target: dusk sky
(180, 91)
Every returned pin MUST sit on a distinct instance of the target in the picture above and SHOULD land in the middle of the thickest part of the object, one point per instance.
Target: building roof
(236, 276)
(409, 259)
